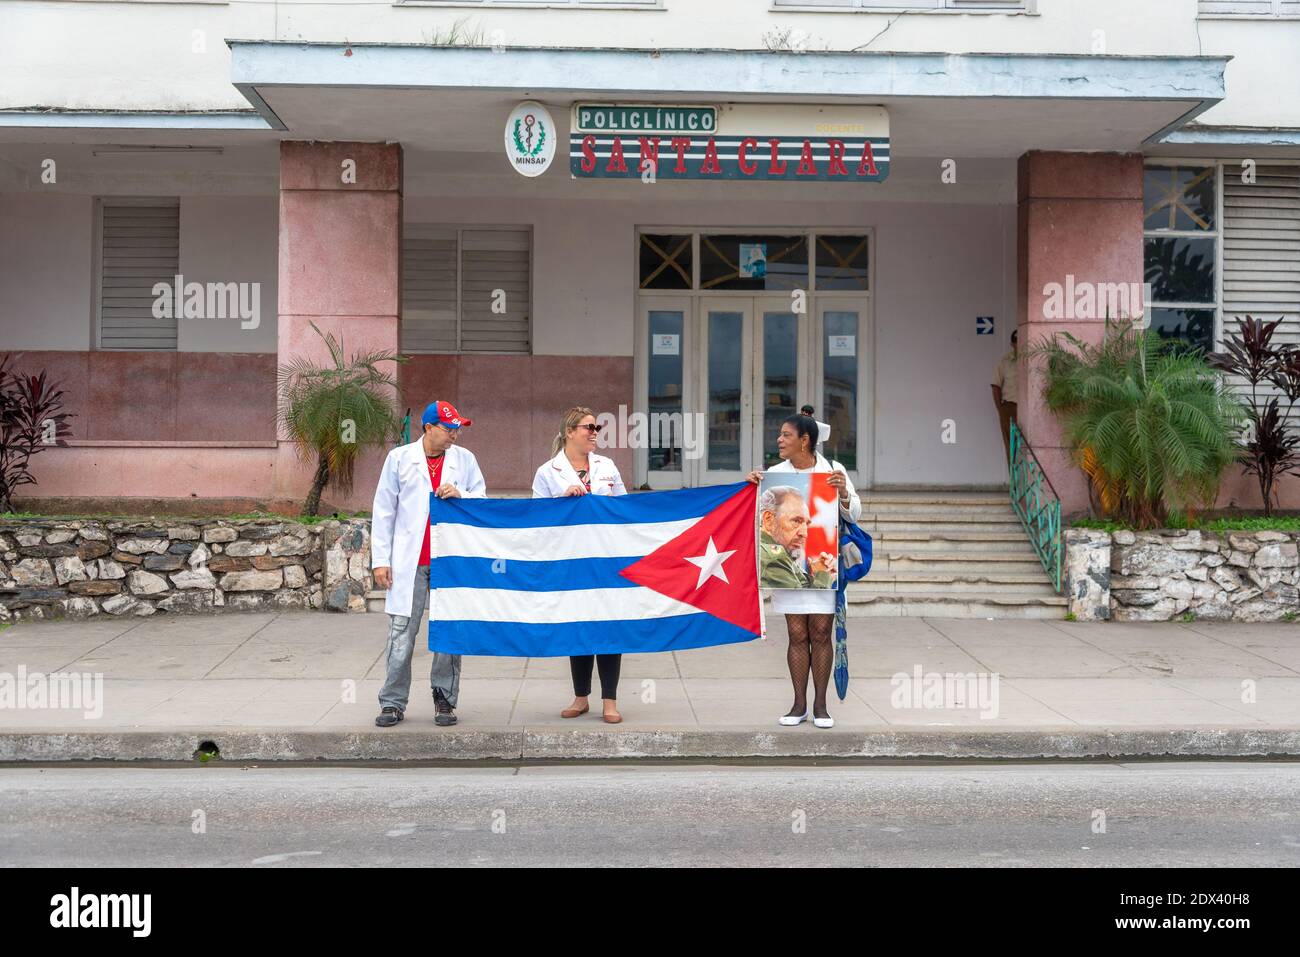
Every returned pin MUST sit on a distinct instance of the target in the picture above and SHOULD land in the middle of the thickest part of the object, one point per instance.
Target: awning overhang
(455, 99)
(1229, 142)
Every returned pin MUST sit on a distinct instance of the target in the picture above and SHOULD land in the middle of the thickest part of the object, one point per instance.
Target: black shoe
(388, 717)
(445, 715)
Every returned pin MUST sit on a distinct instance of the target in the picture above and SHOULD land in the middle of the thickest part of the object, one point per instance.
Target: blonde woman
(576, 469)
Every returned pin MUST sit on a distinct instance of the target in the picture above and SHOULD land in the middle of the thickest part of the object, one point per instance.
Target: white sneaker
(823, 722)
(790, 720)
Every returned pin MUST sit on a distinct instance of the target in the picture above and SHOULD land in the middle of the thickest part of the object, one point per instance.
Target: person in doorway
(809, 613)
(823, 429)
(1004, 394)
(400, 553)
(576, 469)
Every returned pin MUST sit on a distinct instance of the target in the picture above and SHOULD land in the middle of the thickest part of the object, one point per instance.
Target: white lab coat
(400, 517)
(556, 475)
(808, 601)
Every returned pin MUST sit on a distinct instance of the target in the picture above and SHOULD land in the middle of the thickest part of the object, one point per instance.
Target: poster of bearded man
(798, 532)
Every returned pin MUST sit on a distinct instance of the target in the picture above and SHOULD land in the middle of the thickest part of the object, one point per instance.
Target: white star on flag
(826, 516)
(710, 563)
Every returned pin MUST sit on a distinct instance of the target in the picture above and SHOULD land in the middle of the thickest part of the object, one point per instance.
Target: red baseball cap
(444, 413)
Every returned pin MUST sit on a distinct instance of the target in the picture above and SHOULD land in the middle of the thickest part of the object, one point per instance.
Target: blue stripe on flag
(516, 640)
(581, 509)
(566, 575)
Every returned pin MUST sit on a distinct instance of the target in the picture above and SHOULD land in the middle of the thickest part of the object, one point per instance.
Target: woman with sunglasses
(576, 469)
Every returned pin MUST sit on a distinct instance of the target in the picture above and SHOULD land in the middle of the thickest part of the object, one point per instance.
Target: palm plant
(1153, 428)
(331, 413)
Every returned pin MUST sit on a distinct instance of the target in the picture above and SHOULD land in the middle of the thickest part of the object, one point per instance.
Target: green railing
(1038, 506)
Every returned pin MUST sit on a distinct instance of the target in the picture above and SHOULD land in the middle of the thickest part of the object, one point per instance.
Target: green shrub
(1155, 427)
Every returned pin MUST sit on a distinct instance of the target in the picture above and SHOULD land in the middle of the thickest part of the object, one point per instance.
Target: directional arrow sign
(983, 325)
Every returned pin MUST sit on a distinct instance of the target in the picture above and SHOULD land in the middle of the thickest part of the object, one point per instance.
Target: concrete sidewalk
(303, 686)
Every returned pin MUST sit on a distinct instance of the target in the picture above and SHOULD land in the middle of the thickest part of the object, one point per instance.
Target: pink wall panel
(516, 403)
(1079, 216)
(163, 396)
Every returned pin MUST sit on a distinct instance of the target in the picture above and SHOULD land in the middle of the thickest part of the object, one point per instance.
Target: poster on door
(798, 531)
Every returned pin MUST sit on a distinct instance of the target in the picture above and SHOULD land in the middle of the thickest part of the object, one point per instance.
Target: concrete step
(885, 527)
(936, 509)
(940, 604)
(991, 583)
(973, 536)
(950, 541)
(926, 497)
(960, 562)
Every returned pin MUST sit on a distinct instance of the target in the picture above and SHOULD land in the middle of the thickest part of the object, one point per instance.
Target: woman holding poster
(801, 502)
(576, 469)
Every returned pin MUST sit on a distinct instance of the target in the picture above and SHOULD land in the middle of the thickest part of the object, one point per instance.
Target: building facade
(749, 205)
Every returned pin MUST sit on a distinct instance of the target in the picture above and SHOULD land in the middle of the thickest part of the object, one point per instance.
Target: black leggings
(580, 666)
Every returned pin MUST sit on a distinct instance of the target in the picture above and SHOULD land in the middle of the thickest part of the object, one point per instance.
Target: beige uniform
(1004, 376)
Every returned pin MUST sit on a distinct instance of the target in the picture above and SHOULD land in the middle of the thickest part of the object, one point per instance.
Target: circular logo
(530, 138)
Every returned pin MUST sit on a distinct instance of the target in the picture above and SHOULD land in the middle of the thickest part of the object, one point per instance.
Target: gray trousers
(403, 631)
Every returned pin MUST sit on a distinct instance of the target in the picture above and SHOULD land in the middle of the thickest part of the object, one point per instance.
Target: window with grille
(1180, 248)
(1250, 8)
(891, 5)
(139, 247)
(534, 3)
(466, 289)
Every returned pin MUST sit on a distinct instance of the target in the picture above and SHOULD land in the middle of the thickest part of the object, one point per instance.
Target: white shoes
(790, 721)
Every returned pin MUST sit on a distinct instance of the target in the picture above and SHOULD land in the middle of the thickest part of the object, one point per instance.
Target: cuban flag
(594, 574)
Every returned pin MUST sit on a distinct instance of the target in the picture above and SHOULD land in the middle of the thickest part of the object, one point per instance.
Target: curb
(543, 744)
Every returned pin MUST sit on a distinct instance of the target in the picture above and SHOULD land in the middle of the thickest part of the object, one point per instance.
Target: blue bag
(855, 562)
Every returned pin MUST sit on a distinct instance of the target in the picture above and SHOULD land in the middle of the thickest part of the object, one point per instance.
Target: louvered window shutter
(1261, 259)
(466, 290)
(1261, 249)
(429, 289)
(495, 290)
(140, 247)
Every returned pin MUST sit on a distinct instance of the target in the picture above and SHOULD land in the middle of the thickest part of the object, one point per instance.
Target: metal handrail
(1036, 504)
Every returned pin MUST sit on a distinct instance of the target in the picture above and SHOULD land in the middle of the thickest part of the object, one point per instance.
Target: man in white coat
(399, 552)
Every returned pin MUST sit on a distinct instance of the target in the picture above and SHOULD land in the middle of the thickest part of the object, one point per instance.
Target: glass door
(754, 378)
(668, 436)
(843, 357)
(778, 384)
(727, 399)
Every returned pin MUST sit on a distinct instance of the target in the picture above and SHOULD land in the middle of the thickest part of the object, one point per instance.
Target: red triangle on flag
(712, 565)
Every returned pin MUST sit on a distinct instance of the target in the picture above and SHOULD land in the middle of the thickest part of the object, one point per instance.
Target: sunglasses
(592, 427)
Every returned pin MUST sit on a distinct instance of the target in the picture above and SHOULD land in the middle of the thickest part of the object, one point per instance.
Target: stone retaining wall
(1164, 575)
(81, 569)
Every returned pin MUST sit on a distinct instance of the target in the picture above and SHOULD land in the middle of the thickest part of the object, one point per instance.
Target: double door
(726, 371)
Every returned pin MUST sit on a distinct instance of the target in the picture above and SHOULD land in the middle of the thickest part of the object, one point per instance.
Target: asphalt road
(1088, 815)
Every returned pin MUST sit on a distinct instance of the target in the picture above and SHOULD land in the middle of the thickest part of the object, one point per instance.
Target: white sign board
(842, 346)
(667, 344)
(530, 138)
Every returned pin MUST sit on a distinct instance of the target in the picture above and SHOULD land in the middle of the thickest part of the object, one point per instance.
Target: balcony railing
(1037, 505)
